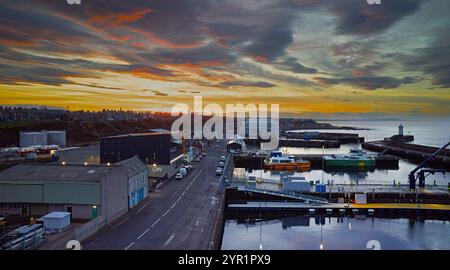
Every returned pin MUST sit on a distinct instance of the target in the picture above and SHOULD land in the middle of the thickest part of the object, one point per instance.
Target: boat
(355, 158)
(279, 161)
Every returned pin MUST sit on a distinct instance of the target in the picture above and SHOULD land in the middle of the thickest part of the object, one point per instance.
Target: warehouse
(157, 149)
(137, 180)
(85, 191)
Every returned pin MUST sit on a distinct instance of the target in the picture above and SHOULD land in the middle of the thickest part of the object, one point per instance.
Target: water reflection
(335, 233)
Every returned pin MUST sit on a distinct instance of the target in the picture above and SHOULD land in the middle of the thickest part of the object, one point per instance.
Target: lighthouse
(400, 130)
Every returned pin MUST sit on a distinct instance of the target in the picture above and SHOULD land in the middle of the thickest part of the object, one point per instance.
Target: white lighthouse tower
(400, 130)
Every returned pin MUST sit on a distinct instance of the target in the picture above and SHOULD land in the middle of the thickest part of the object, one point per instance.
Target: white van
(183, 171)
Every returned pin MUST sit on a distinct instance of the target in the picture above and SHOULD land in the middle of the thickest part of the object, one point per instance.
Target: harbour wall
(412, 152)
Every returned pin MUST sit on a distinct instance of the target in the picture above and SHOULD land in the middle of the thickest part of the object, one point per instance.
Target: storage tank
(57, 137)
(32, 138)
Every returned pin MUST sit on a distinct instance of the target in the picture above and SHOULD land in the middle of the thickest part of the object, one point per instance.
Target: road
(180, 215)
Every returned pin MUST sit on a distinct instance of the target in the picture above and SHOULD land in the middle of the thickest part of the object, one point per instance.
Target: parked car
(221, 164)
(183, 171)
(178, 176)
(223, 158)
(219, 171)
(204, 154)
(188, 167)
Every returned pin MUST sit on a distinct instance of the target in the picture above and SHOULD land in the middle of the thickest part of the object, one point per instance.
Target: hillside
(77, 132)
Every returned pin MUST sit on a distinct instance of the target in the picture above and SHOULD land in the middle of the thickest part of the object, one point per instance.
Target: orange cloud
(164, 42)
(22, 43)
(147, 73)
(112, 19)
(261, 59)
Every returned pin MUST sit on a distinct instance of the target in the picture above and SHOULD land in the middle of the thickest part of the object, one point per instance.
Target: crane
(421, 171)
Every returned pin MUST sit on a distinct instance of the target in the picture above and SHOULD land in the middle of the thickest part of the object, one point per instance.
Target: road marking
(156, 222)
(165, 213)
(129, 246)
(169, 240)
(195, 178)
(139, 237)
(140, 209)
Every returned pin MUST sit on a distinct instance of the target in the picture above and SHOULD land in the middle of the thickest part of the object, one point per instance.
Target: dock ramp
(302, 197)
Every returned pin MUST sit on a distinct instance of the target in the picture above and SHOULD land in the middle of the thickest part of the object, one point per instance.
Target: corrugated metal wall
(75, 193)
(54, 193)
(21, 193)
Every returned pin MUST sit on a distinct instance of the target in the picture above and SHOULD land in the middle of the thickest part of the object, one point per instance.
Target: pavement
(178, 216)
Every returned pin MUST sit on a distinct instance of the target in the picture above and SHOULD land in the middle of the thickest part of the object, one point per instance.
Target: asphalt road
(180, 215)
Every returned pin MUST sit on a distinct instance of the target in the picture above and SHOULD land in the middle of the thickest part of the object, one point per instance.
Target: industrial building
(236, 146)
(157, 149)
(137, 180)
(86, 191)
(30, 138)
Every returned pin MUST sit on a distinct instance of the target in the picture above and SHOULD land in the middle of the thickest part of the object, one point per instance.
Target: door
(69, 209)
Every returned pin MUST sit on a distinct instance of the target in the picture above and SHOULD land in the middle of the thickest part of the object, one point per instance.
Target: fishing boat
(279, 161)
(355, 158)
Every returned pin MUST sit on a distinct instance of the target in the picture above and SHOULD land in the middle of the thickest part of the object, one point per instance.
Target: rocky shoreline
(287, 124)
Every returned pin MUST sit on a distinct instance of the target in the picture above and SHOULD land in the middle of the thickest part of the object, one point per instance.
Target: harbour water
(433, 133)
(347, 232)
(336, 233)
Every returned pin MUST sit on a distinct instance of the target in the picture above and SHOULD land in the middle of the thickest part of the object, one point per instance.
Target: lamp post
(321, 237)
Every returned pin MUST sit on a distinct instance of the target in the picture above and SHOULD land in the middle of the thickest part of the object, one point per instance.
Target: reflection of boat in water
(349, 170)
(355, 158)
(278, 161)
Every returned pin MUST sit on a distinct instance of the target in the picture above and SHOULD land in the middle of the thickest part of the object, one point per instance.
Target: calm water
(432, 133)
(344, 233)
(308, 233)
(427, 132)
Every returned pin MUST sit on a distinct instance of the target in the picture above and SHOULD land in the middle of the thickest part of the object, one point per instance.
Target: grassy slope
(77, 132)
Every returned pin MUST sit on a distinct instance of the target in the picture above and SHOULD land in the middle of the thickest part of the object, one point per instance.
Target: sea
(426, 132)
(350, 232)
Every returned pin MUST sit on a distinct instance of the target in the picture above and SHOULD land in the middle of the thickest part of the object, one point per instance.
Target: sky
(312, 57)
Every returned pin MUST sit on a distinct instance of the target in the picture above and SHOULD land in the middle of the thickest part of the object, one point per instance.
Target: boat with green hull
(356, 158)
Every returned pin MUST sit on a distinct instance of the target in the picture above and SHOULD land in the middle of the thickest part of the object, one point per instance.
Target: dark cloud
(158, 93)
(369, 83)
(210, 53)
(357, 17)
(247, 84)
(250, 69)
(159, 38)
(292, 64)
(261, 32)
(433, 60)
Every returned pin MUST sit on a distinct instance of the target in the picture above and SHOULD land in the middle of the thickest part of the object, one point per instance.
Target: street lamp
(321, 237)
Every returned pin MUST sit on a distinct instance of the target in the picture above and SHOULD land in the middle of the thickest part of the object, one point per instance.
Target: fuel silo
(57, 137)
(32, 138)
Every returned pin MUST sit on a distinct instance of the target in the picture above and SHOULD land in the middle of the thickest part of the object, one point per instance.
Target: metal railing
(303, 197)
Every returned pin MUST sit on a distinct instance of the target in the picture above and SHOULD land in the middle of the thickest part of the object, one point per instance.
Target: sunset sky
(309, 56)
